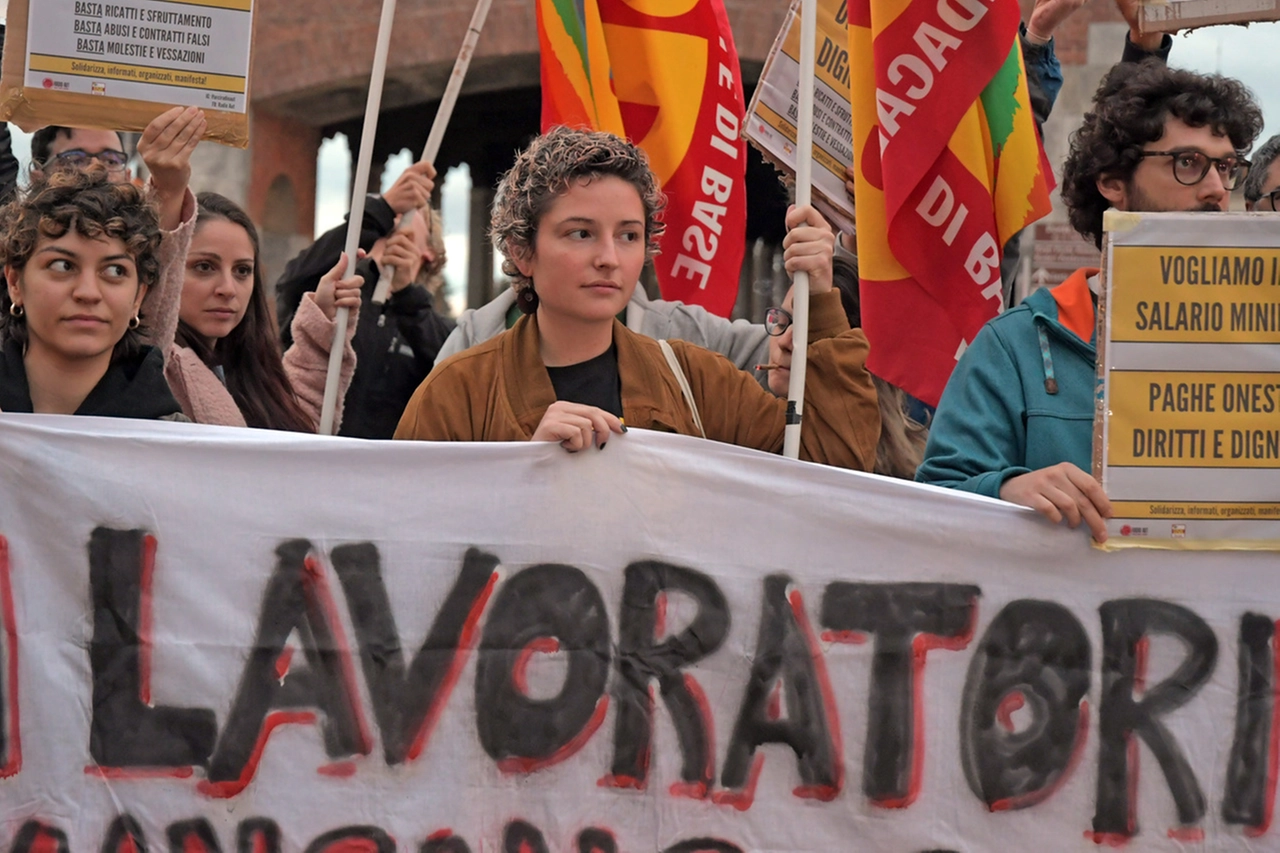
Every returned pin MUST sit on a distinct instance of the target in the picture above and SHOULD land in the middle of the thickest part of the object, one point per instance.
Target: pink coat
(201, 394)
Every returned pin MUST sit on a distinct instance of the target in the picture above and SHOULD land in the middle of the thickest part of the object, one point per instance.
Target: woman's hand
(575, 426)
(402, 255)
(809, 247)
(165, 148)
(336, 292)
(412, 189)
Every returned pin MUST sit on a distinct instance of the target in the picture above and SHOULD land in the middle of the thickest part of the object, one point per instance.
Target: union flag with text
(948, 166)
(665, 75)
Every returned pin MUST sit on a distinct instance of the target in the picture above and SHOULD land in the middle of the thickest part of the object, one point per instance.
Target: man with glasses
(1016, 418)
(165, 148)
(1262, 186)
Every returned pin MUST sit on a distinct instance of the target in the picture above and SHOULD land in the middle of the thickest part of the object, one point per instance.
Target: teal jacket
(1022, 396)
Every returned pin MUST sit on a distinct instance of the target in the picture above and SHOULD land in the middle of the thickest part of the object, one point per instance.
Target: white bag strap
(684, 385)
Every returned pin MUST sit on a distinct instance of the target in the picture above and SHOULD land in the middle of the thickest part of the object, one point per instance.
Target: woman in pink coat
(222, 353)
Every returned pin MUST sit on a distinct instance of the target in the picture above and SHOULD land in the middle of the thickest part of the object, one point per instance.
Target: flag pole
(804, 185)
(359, 187)
(438, 126)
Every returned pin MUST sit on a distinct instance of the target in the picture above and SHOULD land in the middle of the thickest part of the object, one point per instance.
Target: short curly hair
(1130, 109)
(87, 201)
(1262, 159)
(547, 168)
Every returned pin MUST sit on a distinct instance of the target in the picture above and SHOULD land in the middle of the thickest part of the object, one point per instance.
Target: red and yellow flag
(948, 166)
(663, 73)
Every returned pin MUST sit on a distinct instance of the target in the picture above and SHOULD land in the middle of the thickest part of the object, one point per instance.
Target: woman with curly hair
(79, 255)
(223, 357)
(576, 218)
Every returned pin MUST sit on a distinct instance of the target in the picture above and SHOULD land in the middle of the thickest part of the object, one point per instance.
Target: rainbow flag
(667, 78)
(948, 166)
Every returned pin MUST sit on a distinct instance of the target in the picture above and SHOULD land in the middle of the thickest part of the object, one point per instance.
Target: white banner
(218, 640)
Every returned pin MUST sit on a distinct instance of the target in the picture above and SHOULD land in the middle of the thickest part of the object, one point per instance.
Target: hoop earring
(527, 299)
(16, 310)
(135, 321)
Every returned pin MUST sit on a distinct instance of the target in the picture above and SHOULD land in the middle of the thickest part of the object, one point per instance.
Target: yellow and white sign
(118, 64)
(772, 115)
(1190, 427)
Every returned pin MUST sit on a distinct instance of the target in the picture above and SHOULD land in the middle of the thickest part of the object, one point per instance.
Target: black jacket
(133, 387)
(8, 165)
(395, 343)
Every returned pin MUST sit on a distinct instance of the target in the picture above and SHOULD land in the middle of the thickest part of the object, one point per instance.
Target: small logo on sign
(1129, 530)
(1126, 530)
(98, 88)
(48, 83)
(1179, 531)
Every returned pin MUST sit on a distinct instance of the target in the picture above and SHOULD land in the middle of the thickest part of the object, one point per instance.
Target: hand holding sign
(1048, 15)
(402, 255)
(165, 147)
(336, 292)
(809, 247)
(412, 190)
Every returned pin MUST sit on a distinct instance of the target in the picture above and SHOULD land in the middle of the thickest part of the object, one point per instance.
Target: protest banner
(117, 65)
(217, 639)
(666, 76)
(1188, 445)
(1172, 15)
(772, 114)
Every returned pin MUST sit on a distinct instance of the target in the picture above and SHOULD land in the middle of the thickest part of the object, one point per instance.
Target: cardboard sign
(216, 639)
(771, 117)
(117, 65)
(1161, 16)
(1190, 439)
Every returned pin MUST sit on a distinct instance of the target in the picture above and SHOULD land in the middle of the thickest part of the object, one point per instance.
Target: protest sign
(771, 117)
(86, 63)
(1173, 15)
(1188, 444)
(218, 639)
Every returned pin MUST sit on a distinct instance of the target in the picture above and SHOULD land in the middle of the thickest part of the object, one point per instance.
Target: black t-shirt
(592, 383)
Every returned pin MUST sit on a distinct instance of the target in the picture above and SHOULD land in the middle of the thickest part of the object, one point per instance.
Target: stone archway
(280, 240)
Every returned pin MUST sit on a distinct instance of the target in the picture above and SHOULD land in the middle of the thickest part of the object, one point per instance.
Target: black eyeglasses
(1270, 201)
(777, 321)
(78, 158)
(1190, 166)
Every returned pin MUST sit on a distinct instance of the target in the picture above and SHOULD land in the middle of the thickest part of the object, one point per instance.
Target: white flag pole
(438, 126)
(804, 184)
(358, 189)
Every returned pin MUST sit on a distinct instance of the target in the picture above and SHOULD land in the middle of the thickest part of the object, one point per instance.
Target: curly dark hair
(547, 168)
(1130, 109)
(87, 201)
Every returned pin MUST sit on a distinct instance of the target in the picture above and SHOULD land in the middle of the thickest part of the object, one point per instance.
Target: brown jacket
(499, 391)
